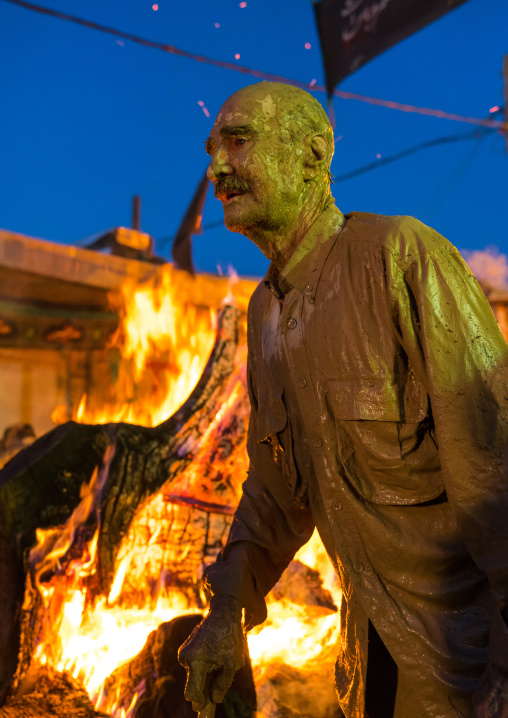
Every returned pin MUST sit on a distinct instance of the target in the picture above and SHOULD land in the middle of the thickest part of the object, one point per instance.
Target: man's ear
(315, 155)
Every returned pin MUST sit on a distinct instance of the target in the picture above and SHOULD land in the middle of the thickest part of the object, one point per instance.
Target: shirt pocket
(385, 447)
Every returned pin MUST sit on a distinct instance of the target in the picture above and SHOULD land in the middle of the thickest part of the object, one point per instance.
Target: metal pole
(136, 212)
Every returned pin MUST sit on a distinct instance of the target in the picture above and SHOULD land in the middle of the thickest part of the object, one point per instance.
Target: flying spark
(494, 109)
(312, 83)
(378, 156)
(203, 107)
(308, 45)
(217, 24)
(155, 7)
(237, 56)
(243, 4)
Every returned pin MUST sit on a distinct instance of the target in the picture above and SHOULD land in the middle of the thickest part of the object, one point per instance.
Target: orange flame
(164, 345)
(292, 634)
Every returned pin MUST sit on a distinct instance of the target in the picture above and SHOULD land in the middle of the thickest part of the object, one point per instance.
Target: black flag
(352, 32)
(181, 250)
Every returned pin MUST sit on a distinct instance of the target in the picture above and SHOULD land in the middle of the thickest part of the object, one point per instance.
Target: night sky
(89, 120)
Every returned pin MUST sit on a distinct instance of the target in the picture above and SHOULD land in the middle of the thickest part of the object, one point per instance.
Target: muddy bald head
(271, 148)
(290, 111)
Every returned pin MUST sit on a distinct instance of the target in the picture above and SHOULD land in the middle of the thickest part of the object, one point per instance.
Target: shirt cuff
(233, 575)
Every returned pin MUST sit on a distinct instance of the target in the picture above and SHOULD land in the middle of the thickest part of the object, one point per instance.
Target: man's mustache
(226, 185)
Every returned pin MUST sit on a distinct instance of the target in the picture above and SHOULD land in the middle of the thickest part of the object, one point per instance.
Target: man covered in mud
(377, 380)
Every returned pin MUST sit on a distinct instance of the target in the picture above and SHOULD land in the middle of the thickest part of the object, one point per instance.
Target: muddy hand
(198, 681)
(212, 654)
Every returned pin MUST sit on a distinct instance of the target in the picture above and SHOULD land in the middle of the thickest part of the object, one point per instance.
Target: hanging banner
(352, 32)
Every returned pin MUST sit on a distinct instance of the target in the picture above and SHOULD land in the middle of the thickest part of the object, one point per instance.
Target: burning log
(41, 487)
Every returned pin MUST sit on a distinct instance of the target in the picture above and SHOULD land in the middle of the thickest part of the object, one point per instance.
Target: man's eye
(239, 141)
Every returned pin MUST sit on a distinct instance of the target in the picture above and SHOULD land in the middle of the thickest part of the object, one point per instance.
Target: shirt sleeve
(449, 332)
(268, 526)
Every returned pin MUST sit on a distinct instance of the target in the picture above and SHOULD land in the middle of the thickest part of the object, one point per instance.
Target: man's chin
(237, 222)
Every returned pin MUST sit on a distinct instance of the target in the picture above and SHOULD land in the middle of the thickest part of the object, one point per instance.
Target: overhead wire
(447, 185)
(402, 107)
(476, 134)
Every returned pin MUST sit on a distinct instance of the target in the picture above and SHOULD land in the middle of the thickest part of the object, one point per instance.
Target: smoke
(489, 266)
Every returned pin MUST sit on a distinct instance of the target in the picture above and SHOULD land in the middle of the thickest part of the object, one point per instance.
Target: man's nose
(220, 165)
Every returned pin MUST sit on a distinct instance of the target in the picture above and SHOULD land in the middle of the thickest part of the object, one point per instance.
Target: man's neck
(278, 245)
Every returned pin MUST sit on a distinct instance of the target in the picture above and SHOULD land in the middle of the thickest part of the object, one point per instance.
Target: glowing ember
(203, 107)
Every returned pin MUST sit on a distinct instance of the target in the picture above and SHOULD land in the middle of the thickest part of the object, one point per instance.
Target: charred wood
(40, 488)
(169, 545)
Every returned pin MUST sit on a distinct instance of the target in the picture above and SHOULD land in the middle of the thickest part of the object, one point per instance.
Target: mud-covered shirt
(378, 385)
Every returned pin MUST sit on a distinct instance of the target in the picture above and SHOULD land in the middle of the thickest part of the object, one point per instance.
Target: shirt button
(291, 323)
(338, 506)
(358, 567)
(302, 382)
(309, 288)
(311, 300)
(317, 443)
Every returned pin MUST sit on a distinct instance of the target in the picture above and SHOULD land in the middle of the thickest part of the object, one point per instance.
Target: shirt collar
(303, 268)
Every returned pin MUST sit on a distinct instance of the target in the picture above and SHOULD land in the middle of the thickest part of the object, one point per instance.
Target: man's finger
(208, 711)
(197, 673)
(220, 685)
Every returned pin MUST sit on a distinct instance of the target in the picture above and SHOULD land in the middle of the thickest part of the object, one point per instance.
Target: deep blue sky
(87, 122)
